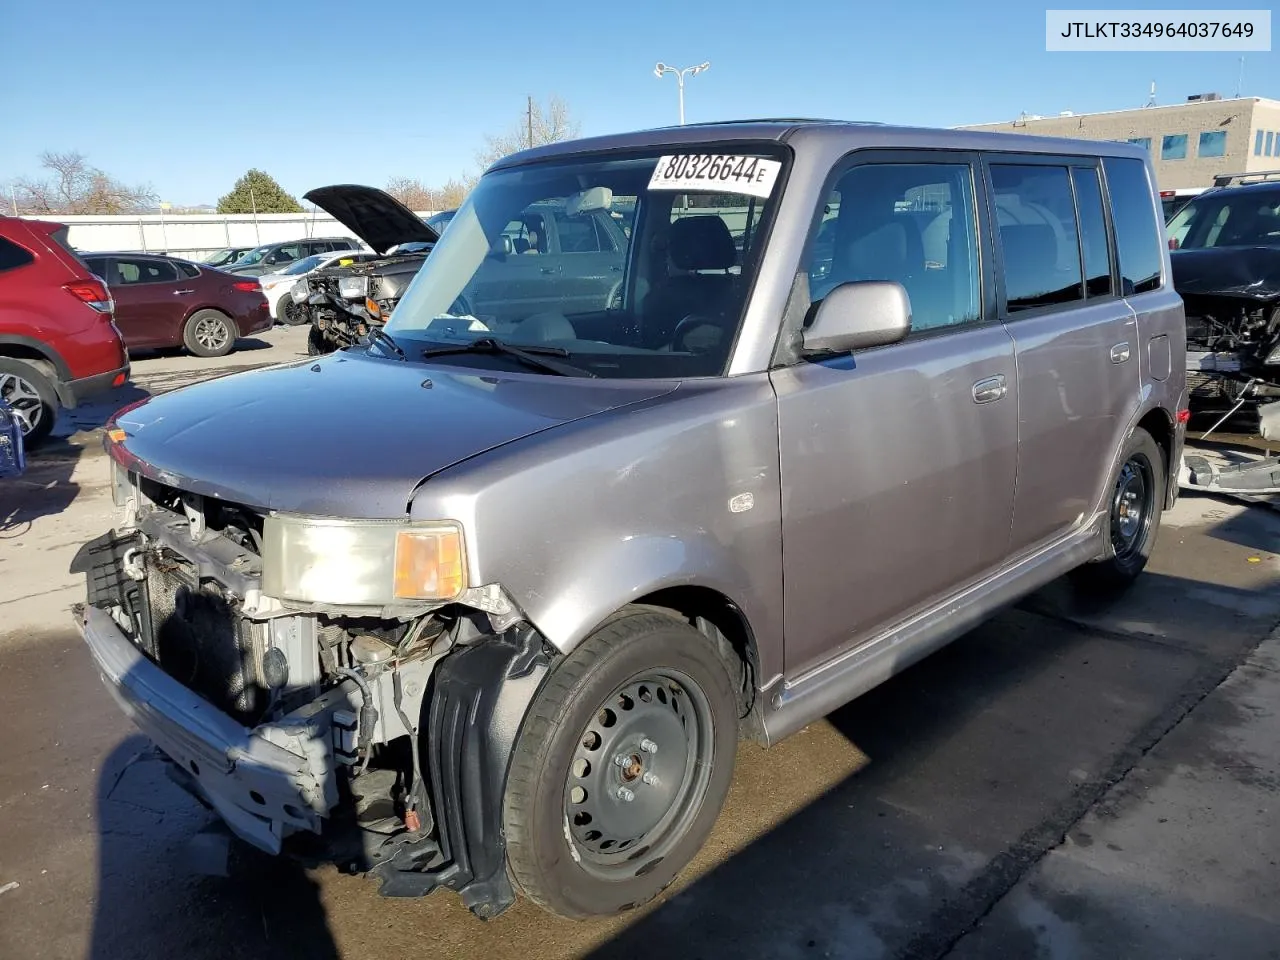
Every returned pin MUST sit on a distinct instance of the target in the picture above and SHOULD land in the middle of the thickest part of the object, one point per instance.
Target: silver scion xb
(823, 397)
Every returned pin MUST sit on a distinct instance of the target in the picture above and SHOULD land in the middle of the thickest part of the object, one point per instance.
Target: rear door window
(1139, 238)
(145, 271)
(1037, 235)
(13, 256)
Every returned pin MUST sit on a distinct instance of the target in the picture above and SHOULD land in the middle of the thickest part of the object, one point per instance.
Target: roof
(849, 134)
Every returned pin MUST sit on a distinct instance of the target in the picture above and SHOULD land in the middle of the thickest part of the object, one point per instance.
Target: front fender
(577, 601)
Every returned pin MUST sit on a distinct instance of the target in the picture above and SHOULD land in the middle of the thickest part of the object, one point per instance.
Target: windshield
(306, 263)
(536, 257)
(1227, 219)
(253, 256)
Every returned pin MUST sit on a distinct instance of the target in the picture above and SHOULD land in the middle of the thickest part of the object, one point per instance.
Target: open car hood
(373, 215)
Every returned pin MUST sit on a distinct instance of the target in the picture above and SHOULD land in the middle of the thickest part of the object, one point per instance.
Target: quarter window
(1093, 232)
(1039, 242)
(1173, 147)
(13, 256)
(1213, 143)
(1139, 238)
(909, 223)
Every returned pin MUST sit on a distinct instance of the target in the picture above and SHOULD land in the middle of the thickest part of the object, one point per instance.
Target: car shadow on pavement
(981, 757)
(44, 489)
(158, 895)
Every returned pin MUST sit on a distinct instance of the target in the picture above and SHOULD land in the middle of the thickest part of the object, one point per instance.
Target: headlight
(299, 291)
(361, 562)
(353, 288)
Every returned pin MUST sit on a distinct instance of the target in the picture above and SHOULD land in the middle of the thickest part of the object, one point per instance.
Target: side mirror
(853, 316)
(502, 247)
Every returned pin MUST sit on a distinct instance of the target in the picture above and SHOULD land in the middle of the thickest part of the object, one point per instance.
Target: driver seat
(695, 243)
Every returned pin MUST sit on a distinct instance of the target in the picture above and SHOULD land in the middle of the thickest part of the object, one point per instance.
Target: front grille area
(198, 639)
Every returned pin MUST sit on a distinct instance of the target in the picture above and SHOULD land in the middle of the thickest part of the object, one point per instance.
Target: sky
(186, 97)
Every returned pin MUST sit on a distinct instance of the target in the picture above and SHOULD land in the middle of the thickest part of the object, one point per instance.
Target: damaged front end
(315, 712)
(343, 304)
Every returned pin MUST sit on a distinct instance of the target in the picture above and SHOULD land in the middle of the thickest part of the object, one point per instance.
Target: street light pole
(662, 68)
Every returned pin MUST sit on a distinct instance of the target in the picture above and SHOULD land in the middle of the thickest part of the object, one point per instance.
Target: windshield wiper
(376, 333)
(534, 356)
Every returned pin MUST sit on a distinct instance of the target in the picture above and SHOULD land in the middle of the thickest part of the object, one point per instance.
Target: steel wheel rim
(24, 399)
(639, 774)
(212, 333)
(1131, 507)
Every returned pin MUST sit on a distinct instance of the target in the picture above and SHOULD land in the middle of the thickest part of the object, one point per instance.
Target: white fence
(193, 235)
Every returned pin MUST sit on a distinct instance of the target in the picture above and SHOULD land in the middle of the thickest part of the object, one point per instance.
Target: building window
(1266, 151)
(1257, 144)
(1144, 142)
(1213, 143)
(1173, 147)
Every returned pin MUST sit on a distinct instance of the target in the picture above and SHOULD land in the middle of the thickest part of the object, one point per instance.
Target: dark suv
(1226, 265)
(276, 256)
(58, 338)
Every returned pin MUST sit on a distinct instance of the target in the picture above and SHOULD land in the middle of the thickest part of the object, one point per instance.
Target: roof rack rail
(1256, 176)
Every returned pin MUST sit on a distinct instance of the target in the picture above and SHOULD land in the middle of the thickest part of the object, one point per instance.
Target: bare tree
(540, 125)
(73, 186)
(416, 196)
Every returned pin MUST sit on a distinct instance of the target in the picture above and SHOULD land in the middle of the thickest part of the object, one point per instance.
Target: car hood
(373, 215)
(1249, 272)
(346, 435)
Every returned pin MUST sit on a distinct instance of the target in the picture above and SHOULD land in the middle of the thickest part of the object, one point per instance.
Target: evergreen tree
(258, 191)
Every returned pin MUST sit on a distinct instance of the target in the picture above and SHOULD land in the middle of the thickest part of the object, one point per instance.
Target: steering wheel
(691, 322)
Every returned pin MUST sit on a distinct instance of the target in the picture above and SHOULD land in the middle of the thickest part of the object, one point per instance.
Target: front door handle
(179, 293)
(988, 390)
(1120, 353)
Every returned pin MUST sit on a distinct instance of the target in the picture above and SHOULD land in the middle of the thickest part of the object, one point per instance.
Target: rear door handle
(1120, 353)
(989, 390)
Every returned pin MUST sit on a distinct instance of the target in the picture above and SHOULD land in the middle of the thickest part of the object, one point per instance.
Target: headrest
(702, 243)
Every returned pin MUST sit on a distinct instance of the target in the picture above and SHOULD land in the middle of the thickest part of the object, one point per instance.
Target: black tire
(317, 344)
(285, 312)
(1130, 538)
(642, 674)
(31, 394)
(209, 333)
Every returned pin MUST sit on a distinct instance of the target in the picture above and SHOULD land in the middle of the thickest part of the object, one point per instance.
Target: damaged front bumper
(265, 783)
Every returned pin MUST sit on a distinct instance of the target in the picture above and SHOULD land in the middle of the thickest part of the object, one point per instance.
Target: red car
(58, 342)
(167, 302)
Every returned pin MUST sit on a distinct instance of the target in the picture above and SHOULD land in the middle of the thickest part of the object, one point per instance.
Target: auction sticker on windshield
(754, 176)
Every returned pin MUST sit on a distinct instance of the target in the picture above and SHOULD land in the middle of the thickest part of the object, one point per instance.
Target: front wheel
(1135, 503)
(621, 768)
(287, 313)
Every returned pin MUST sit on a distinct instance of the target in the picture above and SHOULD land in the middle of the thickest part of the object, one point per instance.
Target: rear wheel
(621, 768)
(209, 333)
(30, 393)
(1133, 517)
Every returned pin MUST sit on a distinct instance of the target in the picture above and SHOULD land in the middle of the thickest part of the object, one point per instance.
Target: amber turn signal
(429, 564)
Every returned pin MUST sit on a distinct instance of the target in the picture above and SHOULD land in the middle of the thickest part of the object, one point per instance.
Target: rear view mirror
(858, 315)
(595, 198)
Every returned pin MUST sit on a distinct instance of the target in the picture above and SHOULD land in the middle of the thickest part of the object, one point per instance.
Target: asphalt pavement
(1067, 781)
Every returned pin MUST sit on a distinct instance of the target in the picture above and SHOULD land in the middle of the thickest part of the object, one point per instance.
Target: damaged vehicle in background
(1225, 254)
(342, 304)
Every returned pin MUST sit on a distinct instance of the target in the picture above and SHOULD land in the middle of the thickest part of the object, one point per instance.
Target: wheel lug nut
(625, 795)
(650, 778)
(648, 746)
(620, 760)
